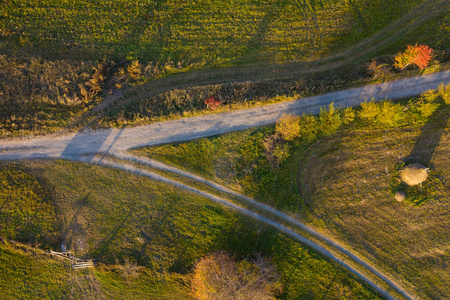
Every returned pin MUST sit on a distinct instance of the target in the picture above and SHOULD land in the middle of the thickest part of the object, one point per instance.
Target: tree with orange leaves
(419, 55)
(212, 103)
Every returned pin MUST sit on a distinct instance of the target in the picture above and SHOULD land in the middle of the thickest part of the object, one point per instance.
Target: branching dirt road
(85, 145)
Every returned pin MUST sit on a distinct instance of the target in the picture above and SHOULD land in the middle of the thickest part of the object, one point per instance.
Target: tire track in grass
(322, 250)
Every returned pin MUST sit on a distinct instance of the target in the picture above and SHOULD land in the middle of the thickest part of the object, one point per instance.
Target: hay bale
(414, 174)
(400, 196)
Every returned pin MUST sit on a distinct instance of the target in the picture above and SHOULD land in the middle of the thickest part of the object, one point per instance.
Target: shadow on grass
(430, 137)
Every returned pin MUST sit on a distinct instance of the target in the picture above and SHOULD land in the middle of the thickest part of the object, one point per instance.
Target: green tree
(288, 127)
(329, 120)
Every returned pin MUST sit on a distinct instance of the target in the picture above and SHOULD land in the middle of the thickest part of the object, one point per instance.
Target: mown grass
(201, 32)
(343, 185)
(110, 216)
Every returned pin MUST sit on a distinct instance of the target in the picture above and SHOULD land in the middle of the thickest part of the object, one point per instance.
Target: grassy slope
(339, 185)
(27, 273)
(111, 215)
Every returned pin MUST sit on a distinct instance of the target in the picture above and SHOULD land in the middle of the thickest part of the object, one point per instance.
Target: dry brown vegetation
(39, 95)
(219, 277)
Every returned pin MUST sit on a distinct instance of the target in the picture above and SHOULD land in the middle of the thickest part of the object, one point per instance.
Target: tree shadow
(430, 137)
(103, 246)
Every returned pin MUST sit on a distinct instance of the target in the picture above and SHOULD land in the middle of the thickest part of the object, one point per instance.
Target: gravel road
(87, 143)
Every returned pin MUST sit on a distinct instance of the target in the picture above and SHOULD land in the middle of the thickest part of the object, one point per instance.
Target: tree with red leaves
(212, 103)
(419, 55)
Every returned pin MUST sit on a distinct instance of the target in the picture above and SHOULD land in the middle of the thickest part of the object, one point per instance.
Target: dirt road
(85, 144)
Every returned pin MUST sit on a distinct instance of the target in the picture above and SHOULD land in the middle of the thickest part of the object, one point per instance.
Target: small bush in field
(276, 150)
(329, 120)
(389, 114)
(218, 276)
(308, 127)
(369, 110)
(288, 127)
(348, 115)
(128, 270)
(384, 113)
(419, 55)
(134, 69)
(378, 71)
(426, 109)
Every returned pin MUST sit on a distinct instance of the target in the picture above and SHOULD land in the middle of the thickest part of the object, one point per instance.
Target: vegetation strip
(422, 13)
(288, 231)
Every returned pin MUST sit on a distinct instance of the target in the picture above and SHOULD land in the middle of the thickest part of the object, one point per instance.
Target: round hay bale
(414, 174)
(400, 196)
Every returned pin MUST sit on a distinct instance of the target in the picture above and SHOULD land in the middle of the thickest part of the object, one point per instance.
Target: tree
(217, 276)
(329, 119)
(134, 69)
(419, 55)
(288, 127)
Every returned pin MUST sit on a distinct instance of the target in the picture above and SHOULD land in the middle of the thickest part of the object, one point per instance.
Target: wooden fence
(77, 263)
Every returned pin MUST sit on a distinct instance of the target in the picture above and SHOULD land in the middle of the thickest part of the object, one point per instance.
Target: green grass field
(343, 185)
(111, 215)
(203, 32)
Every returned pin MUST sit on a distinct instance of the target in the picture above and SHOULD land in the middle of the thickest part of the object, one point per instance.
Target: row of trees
(291, 129)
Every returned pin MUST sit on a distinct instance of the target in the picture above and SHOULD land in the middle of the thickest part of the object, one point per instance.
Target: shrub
(389, 114)
(217, 276)
(426, 109)
(379, 71)
(369, 110)
(329, 120)
(288, 127)
(276, 150)
(419, 55)
(308, 127)
(134, 69)
(348, 115)
(212, 103)
(128, 270)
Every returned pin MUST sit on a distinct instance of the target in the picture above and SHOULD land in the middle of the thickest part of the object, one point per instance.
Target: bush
(389, 114)
(419, 55)
(276, 150)
(134, 69)
(348, 115)
(378, 71)
(308, 127)
(329, 120)
(128, 270)
(288, 127)
(444, 92)
(217, 276)
(369, 110)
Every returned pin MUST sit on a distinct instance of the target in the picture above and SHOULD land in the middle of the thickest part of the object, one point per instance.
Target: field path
(86, 145)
